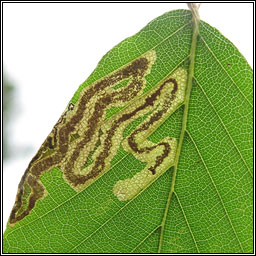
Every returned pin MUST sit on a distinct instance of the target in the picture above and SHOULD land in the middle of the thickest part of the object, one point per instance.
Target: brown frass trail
(53, 151)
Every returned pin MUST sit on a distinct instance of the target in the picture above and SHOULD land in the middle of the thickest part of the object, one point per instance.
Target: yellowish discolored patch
(83, 142)
(78, 144)
(128, 188)
(159, 157)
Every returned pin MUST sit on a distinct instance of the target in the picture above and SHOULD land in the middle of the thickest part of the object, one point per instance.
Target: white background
(50, 49)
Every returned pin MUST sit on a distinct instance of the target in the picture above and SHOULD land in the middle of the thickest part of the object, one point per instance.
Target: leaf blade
(92, 221)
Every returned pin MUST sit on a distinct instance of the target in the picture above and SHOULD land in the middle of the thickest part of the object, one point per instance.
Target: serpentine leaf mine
(83, 142)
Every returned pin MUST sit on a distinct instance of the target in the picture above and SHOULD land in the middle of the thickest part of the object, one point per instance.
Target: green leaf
(211, 208)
